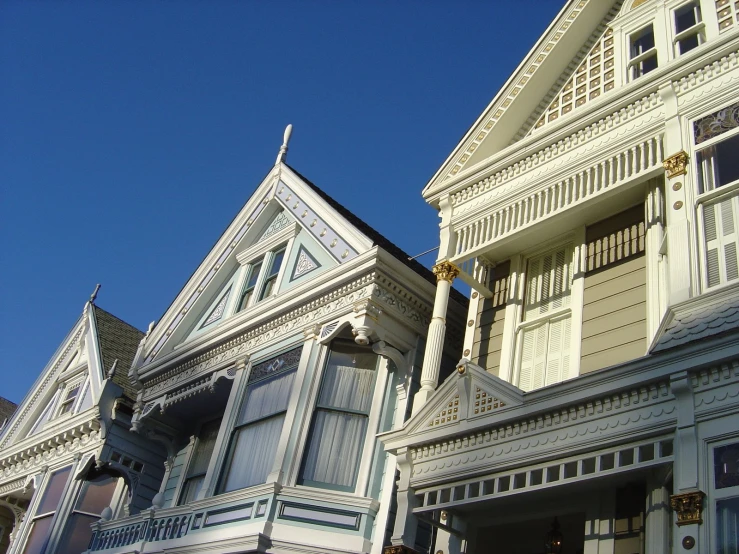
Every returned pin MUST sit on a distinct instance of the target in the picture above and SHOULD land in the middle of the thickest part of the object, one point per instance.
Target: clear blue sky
(131, 132)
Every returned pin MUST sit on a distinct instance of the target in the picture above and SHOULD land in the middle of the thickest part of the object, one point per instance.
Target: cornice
(685, 72)
(84, 434)
(29, 403)
(373, 284)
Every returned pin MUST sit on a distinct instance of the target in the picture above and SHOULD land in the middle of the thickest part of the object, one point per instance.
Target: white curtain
(335, 448)
(254, 444)
(727, 526)
(336, 440)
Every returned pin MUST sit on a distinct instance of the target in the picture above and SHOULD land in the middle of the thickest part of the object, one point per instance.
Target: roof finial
(285, 140)
(94, 294)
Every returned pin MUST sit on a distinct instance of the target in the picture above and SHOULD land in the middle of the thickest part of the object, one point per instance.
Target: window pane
(267, 397)
(727, 526)
(685, 17)
(335, 448)
(204, 448)
(254, 275)
(726, 466)
(642, 41)
(346, 386)
(77, 535)
(96, 494)
(252, 454)
(191, 489)
(53, 492)
(38, 536)
(276, 262)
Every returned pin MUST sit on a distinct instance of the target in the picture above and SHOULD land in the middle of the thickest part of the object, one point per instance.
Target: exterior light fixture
(554, 539)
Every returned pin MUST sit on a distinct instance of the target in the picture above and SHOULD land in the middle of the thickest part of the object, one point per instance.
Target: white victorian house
(66, 454)
(593, 209)
(296, 341)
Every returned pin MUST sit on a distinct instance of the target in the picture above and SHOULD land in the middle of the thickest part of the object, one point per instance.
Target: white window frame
(373, 423)
(636, 61)
(698, 29)
(724, 192)
(265, 252)
(717, 494)
(61, 402)
(195, 439)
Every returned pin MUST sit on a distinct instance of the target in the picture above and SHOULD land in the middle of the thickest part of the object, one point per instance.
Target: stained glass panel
(716, 123)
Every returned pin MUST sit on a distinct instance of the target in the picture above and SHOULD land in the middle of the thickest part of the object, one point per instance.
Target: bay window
(45, 511)
(339, 425)
(96, 494)
(717, 167)
(198, 465)
(545, 330)
(726, 492)
(254, 439)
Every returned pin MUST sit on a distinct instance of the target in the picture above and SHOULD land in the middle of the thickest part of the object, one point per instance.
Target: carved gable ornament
(469, 393)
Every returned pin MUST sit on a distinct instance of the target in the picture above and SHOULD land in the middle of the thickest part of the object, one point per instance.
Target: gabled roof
(7, 409)
(379, 239)
(528, 90)
(341, 234)
(118, 341)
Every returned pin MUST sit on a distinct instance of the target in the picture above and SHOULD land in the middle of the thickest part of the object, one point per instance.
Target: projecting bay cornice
(611, 110)
(391, 297)
(76, 433)
(607, 406)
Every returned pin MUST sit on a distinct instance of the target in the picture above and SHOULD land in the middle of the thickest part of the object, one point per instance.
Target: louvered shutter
(720, 235)
(549, 281)
(533, 358)
(558, 351)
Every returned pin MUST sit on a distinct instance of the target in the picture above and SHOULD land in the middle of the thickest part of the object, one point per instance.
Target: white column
(658, 516)
(451, 543)
(445, 273)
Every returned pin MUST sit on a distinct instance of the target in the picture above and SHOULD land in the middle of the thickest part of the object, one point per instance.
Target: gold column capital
(399, 549)
(688, 507)
(677, 164)
(445, 271)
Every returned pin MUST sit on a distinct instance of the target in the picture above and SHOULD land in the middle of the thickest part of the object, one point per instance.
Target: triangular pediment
(463, 397)
(72, 380)
(573, 38)
(288, 226)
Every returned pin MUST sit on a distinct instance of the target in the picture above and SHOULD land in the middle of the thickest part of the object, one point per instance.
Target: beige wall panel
(626, 282)
(607, 358)
(615, 338)
(620, 318)
(614, 303)
(614, 271)
(490, 322)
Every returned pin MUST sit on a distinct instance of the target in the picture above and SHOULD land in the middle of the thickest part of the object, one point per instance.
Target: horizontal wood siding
(490, 321)
(614, 326)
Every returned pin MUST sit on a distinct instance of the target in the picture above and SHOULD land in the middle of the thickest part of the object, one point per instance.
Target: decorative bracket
(676, 165)
(396, 356)
(688, 507)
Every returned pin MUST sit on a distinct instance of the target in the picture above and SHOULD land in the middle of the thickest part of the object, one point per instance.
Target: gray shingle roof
(7, 409)
(700, 321)
(118, 340)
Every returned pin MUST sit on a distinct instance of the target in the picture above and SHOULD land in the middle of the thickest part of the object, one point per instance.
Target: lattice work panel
(727, 12)
(593, 77)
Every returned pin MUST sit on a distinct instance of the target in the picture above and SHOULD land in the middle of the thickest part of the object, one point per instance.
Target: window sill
(554, 315)
(723, 191)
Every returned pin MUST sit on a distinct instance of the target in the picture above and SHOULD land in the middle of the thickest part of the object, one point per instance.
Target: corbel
(396, 356)
(688, 507)
(363, 327)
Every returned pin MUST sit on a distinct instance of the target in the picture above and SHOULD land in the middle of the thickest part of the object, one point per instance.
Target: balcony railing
(146, 529)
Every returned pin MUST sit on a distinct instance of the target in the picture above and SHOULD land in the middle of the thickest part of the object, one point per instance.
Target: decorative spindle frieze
(520, 212)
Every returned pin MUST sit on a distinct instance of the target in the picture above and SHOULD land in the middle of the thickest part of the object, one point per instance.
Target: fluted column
(445, 273)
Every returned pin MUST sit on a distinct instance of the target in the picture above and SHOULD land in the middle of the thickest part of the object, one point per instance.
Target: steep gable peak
(519, 105)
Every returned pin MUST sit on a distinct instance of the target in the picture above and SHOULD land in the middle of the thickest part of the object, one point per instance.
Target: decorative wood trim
(676, 165)
(688, 507)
